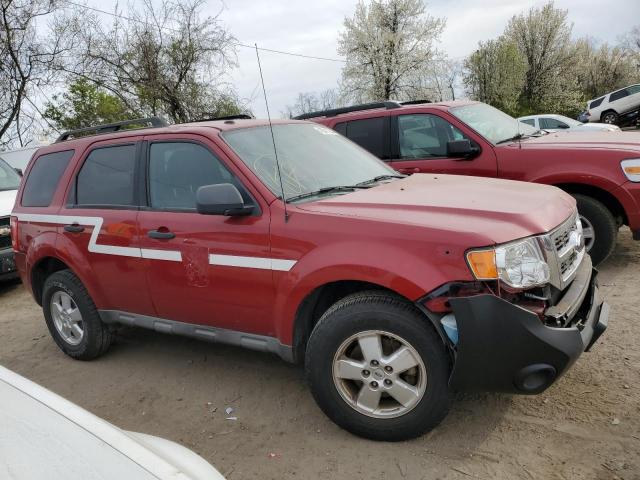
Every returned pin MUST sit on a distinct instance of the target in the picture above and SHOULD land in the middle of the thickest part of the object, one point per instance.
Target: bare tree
(27, 63)
(159, 59)
(386, 44)
(307, 102)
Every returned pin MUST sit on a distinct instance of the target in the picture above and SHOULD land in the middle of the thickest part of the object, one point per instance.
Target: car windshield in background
(9, 179)
(312, 158)
(491, 123)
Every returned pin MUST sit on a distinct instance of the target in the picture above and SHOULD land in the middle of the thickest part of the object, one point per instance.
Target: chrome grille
(564, 250)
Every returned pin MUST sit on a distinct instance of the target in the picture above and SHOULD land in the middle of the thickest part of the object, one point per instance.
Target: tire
(389, 314)
(605, 228)
(63, 286)
(609, 117)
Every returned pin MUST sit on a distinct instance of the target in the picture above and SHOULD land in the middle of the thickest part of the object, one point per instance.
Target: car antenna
(273, 138)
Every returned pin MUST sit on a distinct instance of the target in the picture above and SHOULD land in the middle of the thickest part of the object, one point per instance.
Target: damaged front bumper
(506, 348)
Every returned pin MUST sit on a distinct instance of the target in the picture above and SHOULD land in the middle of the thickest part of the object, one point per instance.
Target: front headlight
(519, 264)
(631, 169)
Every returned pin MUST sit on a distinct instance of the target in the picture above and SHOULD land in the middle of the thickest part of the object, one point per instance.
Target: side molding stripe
(154, 254)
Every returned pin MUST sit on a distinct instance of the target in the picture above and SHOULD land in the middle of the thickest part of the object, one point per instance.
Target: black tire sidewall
(604, 226)
(89, 346)
(333, 329)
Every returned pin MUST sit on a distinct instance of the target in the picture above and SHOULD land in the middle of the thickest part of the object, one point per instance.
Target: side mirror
(461, 149)
(19, 171)
(563, 126)
(221, 199)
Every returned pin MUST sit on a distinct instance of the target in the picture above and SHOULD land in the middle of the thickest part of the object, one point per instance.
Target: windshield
(491, 123)
(311, 157)
(9, 179)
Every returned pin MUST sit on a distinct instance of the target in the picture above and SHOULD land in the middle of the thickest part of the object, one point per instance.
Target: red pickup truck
(601, 170)
(393, 290)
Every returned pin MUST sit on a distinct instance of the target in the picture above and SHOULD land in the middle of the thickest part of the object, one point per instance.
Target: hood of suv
(496, 211)
(629, 141)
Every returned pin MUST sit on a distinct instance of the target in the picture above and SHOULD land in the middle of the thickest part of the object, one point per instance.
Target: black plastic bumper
(505, 348)
(7, 264)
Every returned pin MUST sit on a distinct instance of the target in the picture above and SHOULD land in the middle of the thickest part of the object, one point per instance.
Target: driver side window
(425, 136)
(552, 124)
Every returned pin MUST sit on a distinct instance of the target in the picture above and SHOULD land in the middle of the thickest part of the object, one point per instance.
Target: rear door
(203, 269)
(419, 145)
(103, 194)
(619, 101)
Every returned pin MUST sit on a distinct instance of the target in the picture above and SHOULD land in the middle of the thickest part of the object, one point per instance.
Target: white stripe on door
(153, 254)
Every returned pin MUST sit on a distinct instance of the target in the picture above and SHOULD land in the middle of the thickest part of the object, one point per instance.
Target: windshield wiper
(321, 191)
(380, 177)
(520, 136)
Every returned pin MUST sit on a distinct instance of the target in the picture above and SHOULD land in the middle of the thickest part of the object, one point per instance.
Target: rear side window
(634, 89)
(371, 134)
(552, 124)
(106, 178)
(43, 178)
(596, 103)
(618, 95)
(529, 121)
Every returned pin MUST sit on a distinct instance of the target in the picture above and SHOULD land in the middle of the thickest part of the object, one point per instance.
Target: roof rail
(113, 127)
(354, 108)
(240, 116)
(415, 102)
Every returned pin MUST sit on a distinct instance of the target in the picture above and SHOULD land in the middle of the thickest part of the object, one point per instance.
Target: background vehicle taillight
(14, 233)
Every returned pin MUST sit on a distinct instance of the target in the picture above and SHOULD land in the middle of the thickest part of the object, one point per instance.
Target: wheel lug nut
(366, 373)
(374, 384)
(387, 382)
(388, 369)
(375, 363)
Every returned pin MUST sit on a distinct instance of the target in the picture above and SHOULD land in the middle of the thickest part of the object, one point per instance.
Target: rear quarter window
(596, 103)
(44, 177)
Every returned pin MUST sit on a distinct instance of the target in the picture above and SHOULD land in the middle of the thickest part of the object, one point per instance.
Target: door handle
(161, 234)
(74, 228)
(409, 171)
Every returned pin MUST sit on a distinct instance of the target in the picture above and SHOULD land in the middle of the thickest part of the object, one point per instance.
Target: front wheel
(377, 368)
(599, 228)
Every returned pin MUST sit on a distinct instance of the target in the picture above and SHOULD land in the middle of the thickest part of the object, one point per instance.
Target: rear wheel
(72, 318)
(610, 117)
(599, 228)
(377, 368)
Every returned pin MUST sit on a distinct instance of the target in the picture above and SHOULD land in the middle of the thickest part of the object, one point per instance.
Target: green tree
(495, 74)
(85, 104)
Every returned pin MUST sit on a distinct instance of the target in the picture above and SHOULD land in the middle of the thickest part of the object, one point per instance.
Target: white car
(610, 107)
(45, 437)
(9, 183)
(554, 123)
(19, 159)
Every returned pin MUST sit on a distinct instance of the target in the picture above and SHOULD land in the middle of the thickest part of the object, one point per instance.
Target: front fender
(406, 273)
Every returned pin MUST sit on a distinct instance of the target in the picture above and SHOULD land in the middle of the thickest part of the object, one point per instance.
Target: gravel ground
(587, 426)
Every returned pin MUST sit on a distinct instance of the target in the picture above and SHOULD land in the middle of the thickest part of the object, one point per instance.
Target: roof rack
(415, 102)
(240, 116)
(113, 127)
(354, 108)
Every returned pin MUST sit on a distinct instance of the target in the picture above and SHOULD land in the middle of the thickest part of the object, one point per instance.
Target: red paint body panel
(409, 236)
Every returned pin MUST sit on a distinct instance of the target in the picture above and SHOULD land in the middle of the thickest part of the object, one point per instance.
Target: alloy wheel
(67, 317)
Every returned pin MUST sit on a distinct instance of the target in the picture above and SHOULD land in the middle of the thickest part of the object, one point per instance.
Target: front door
(203, 269)
(420, 146)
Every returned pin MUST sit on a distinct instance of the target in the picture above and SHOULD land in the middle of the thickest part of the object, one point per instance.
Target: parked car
(45, 437)
(610, 107)
(19, 158)
(600, 169)
(391, 289)
(556, 123)
(9, 183)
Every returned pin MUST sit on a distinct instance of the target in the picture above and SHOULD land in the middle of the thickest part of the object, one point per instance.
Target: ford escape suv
(601, 170)
(394, 291)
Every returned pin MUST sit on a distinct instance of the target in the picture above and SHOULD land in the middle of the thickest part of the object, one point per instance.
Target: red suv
(601, 170)
(393, 290)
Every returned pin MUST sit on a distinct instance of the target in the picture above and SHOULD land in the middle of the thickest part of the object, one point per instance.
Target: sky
(311, 27)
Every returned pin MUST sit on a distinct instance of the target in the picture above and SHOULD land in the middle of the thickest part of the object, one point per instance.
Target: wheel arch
(41, 270)
(603, 196)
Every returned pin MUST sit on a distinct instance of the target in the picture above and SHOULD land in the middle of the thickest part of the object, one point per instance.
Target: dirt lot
(586, 426)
